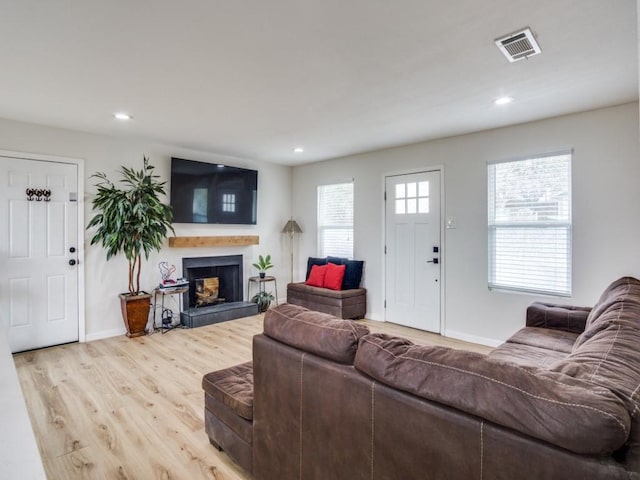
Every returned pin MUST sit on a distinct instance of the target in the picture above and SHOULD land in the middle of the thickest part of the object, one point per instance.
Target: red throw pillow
(316, 276)
(334, 276)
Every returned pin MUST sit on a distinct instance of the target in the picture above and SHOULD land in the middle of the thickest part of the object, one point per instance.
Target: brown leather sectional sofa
(328, 400)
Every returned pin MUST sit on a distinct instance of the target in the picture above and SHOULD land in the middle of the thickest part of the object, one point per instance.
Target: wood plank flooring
(124, 408)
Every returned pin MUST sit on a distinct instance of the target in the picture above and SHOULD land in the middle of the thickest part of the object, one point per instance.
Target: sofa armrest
(558, 317)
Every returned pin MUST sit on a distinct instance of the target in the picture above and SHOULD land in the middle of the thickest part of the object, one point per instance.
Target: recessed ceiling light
(503, 100)
(298, 150)
(122, 116)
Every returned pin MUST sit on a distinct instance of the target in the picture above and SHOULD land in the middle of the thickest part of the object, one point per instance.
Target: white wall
(606, 211)
(104, 280)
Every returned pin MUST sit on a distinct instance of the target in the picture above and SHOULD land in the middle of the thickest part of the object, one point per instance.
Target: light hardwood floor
(124, 408)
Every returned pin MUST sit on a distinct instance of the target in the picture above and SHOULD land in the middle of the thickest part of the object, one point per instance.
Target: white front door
(412, 246)
(38, 252)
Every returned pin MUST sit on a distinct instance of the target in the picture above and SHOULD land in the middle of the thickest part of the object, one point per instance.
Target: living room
(603, 140)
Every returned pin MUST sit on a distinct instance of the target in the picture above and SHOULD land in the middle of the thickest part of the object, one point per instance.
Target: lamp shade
(292, 227)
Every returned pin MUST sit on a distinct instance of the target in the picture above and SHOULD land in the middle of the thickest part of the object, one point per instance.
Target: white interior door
(38, 253)
(412, 248)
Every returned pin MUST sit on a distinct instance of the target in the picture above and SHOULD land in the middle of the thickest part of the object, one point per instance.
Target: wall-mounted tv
(212, 193)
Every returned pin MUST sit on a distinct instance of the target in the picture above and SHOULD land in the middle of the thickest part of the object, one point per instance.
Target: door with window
(412, 246)
(38, 252)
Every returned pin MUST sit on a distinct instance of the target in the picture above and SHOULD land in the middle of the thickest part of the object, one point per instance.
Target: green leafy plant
(263, 299)
(132, 219)
(264, 263)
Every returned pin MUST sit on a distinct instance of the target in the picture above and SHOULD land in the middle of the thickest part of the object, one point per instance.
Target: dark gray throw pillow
(314, 261)
(352, 273)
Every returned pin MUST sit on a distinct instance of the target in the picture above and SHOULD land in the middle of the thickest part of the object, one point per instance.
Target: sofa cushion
(619, 304)
(315, 332)
(311, 261)
(608, 360)
(317, 276)
(233, 387)
(334, 276)
(353, 271)
(556, 340)
(526, 355)
(606, 354)
(546, 405)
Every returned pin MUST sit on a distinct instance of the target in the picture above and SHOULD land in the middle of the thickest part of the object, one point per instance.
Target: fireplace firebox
(215, 291)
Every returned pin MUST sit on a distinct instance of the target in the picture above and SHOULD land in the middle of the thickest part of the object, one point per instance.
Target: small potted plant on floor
(263, 299)
(132, 220)
(263, 264)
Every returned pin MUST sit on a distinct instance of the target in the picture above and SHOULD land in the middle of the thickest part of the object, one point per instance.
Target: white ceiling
(254, 78)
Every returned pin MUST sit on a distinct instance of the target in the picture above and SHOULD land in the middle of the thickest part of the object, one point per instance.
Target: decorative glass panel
(423, 189)
(400, 207)
(411, 190)
(411, 205)
(400, 192)
(423, 205)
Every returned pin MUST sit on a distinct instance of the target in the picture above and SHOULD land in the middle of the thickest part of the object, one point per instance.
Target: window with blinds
(530, 225)
(335, 220)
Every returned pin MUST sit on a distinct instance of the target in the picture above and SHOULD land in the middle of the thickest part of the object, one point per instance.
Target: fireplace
(201, 270)
(215, 290)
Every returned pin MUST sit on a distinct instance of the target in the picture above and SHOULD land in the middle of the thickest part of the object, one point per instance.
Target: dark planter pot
(262, 274)
(135, 312)
(263, 306)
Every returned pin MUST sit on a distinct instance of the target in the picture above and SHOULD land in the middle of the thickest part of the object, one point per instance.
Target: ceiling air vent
(518, 45)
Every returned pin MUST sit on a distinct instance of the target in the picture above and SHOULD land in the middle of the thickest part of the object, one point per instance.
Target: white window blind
(530, 225)
(335, 220)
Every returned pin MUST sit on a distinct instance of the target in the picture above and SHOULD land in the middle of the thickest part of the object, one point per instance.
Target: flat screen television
(212, 193)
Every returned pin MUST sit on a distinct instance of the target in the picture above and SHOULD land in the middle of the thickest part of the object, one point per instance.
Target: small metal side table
(261, 285)
(163, 292)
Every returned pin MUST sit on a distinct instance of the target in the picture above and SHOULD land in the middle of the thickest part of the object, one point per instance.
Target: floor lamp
(292, 228)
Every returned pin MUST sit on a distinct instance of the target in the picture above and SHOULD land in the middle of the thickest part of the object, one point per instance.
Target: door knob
(72, 262)
(435, 260)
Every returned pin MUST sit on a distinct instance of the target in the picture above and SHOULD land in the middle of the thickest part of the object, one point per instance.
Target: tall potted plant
(132, 220)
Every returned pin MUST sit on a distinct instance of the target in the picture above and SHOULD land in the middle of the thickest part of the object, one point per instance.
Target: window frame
(321, 228)
(493, 226)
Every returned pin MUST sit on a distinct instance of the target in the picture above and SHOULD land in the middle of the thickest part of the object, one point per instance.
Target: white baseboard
(90, 337)
(489, 342)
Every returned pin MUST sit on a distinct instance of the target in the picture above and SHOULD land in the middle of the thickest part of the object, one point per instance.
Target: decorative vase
(135, 312)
